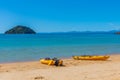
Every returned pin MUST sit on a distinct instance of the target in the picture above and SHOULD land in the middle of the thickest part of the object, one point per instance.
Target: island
(20, 30)
(117, 33)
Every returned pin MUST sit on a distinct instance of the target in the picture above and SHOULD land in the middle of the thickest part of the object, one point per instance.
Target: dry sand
(73, 70)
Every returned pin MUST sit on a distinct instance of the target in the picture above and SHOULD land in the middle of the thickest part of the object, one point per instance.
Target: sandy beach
(72, 70)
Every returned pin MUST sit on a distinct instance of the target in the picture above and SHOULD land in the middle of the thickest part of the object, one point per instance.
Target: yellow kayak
(51, 62)
(86, 57)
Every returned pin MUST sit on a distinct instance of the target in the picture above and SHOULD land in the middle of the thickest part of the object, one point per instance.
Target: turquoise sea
(16, 48)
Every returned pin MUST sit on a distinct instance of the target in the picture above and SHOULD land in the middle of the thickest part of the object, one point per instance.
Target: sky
(60, 15)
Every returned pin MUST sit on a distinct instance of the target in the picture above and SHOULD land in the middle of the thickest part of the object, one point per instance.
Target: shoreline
(75, 69)
(39, 59)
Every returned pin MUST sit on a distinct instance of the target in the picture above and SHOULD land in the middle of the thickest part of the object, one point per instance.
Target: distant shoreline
(112, 31)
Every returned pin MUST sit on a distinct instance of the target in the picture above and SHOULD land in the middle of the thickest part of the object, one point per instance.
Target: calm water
(33, 47)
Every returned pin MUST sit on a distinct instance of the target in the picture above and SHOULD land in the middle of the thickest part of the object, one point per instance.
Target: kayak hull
(48, 62)
(51, 62)
(91, 57)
